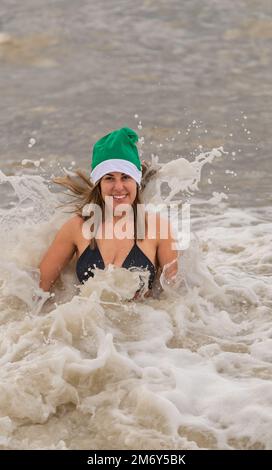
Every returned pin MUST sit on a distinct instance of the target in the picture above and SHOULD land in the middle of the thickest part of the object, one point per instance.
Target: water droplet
(31, 142)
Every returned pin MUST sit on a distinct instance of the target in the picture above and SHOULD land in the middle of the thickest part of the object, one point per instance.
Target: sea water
(90, 368)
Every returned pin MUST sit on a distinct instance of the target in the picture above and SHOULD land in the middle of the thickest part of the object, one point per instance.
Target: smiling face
(120, 186)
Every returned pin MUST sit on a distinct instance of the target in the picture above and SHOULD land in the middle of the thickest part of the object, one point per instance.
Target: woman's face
(121, 187)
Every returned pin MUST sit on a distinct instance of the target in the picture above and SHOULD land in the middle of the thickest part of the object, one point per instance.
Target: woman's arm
(166, 251)
(58, 255)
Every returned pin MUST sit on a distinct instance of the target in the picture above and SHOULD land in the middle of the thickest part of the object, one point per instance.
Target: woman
(96, 233)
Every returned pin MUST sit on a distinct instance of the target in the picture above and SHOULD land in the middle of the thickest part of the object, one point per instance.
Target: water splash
(93, 368)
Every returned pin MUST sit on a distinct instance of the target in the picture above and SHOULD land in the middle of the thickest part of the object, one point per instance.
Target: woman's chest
(118, 251)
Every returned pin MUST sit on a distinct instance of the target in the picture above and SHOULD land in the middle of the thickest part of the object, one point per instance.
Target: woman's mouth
(120, 197)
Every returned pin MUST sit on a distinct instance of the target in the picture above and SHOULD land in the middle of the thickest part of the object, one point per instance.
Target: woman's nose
(118, 185)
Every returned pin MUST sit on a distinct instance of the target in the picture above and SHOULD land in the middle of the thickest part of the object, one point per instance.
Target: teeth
(119, 197)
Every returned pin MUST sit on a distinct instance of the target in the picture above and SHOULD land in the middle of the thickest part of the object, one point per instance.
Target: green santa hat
(117, 151)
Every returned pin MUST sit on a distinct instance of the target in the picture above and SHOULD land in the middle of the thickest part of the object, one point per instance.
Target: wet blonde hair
(83, 192)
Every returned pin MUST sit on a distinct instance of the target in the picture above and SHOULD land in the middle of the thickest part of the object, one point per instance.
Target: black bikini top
(92, 258)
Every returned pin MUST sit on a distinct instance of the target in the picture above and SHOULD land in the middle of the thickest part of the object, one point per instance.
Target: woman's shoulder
(77, 220)
(72, 226)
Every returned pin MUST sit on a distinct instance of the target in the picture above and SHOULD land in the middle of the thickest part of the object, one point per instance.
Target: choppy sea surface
(89, 368)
